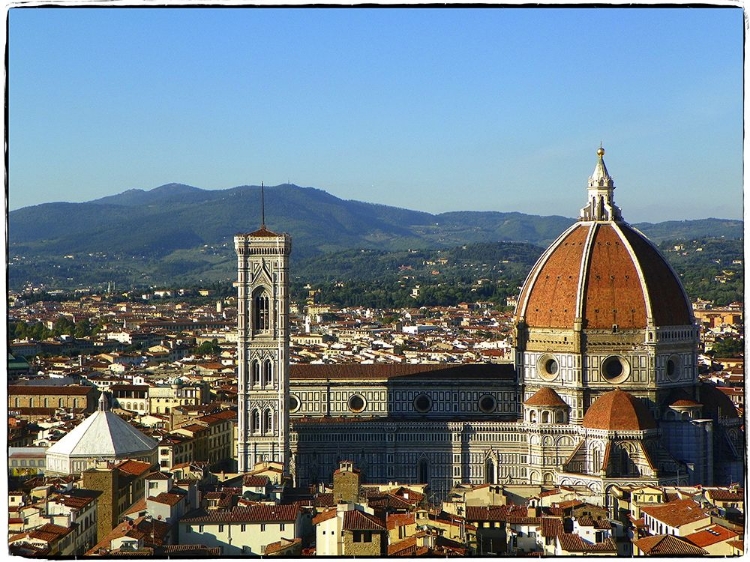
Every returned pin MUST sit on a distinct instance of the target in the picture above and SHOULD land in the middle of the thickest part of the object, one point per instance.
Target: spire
(601, 204)
(103, 404)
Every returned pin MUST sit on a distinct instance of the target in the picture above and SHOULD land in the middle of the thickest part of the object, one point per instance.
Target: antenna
(262, 206)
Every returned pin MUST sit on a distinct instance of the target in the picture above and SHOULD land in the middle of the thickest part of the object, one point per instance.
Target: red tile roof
(711, 535)
(255, 514)
(359, 521)
(419, 371)
(618, 411)
(676, 513)
(545, 397)
(668, 545)
(617, 266)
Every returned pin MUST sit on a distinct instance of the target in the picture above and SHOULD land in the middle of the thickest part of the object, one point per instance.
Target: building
(603, 393)
(101, 436)
(263, 347)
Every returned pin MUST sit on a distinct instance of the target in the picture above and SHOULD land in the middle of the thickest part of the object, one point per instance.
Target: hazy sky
(437, 109)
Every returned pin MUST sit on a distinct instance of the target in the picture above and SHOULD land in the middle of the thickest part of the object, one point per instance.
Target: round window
(673, 368)
(615, 369)
(548, 367)
(422, 403)
(356, 403)
(293, 403)
(487, 403)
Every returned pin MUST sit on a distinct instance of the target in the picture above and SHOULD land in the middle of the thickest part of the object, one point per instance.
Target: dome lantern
(601, 204)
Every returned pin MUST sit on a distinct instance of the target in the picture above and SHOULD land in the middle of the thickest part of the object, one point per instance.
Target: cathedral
(603, 391)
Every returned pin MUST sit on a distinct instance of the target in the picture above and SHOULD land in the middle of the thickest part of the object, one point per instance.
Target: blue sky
(431, 109)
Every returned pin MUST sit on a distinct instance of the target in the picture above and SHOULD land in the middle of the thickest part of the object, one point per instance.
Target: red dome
(545, 396)
(618, 411)
(605, 273)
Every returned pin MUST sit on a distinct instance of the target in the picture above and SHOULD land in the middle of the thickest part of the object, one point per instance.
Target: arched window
(268, 421)
(559, 417)
(268, 373)
(423, 473)
(596, 462)
(532, 416)
(255, 421)
(261, 316)
(545, 416)
(256, 373)
(59, 402)
(489, 472)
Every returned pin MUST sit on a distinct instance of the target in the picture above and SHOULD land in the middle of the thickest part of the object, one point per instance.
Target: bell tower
(263, 347)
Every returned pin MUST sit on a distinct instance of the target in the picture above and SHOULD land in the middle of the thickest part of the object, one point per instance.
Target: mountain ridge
(182, 224)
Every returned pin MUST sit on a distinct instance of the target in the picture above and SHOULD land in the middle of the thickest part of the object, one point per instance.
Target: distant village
(167, 370)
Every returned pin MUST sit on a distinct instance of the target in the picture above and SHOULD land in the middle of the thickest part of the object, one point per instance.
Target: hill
(180, 233)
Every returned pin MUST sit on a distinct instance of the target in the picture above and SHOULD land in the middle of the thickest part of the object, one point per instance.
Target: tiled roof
(608, 259)
(676, 513)
(359, 521)
(133, 467)
(495, 512)
(255, 514)
(570, 542)
(545, 396)
(324, 516)
(668, 545)
(399, 520)
(417, 371)
(255, 481)
(618, 410)
(551, 526)
(711, 535)
(167, 498)
(727, 495)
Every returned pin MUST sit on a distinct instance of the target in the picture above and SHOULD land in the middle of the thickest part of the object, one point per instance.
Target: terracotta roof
(726, 495)
(255, 481)
(601, 263)
(419, 371)
(676, 513)
(263, 232)
(545, 396)
(136, 468)
(395, 520)
(571, 542)
(711, 535)
(618, 410)
(495, 512)
(668, 545)
(20, 390)
(253, 514)
(359, 521)
(324, 516)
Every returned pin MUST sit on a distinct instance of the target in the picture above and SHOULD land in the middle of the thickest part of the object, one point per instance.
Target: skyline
(430, 109)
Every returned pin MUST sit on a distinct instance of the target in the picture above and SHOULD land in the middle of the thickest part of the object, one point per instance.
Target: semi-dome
(601, 273)
(545, 396)
(619, 411)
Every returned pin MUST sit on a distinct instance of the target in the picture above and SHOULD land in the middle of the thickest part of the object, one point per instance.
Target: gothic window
(596, 460)
(256, 373)
(423, 472)
(268, 373)
(268, 421)
(261, 309)
(255, 422)
(489, 472)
